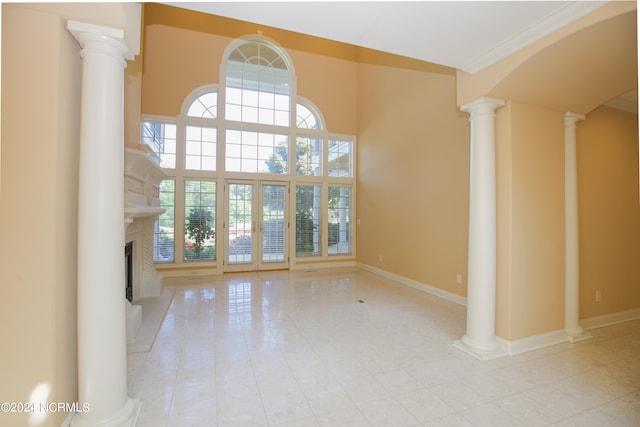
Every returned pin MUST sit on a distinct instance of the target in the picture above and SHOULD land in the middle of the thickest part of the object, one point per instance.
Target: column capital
(570, 118)
(483, 102)
(111, 40)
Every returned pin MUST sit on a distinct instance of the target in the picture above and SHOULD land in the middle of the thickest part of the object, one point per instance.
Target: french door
(256, 225)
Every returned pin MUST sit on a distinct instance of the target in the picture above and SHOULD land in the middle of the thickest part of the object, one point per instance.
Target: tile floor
(350, 348)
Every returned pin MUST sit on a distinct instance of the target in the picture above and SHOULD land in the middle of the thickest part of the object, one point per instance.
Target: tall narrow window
(340, 161)
(339, 220)
(163, 236)
(201, 134)
(161, 139)
(308, 208)
(308, 156)
(200, 148)
(199, 220)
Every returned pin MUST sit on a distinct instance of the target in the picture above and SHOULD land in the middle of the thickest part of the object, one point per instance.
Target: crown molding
(563, 16)
(627, 102)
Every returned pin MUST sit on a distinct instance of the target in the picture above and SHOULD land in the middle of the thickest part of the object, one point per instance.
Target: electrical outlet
(598, 296)
(459, 278)
(379, 258)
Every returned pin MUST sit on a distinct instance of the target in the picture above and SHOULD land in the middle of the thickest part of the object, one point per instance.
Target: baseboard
(415, 284)
(533, 342)
(610, 319)
(312, 267)
(186, 272)
(547, 339)
(183, 273)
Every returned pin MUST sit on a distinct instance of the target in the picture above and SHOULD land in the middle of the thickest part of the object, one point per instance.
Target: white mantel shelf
(142, 182)
(132, 212)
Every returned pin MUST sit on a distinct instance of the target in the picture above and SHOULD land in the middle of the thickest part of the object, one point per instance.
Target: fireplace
(142, 207)
(128, 271)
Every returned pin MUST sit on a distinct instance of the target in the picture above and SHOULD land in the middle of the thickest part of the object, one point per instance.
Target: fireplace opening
(128, 270)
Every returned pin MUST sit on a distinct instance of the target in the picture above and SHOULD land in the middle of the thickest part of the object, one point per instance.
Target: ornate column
(572, 262)
(480, 340)
(102, 344)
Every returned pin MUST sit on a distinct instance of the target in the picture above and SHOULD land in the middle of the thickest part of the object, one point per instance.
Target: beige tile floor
(350, 348)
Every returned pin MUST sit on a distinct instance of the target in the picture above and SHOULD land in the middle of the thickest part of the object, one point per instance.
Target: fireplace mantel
(142, 182)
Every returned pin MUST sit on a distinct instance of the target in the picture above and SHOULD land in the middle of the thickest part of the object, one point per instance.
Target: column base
(483, 355)
(126, 417)
(577, 336)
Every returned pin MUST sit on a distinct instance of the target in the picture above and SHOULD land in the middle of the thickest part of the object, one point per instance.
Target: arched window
(205, 106)
(257, 91)
(248, 147)
(307, 117)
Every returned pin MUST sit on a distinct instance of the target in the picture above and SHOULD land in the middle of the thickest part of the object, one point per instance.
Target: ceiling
(465, 35)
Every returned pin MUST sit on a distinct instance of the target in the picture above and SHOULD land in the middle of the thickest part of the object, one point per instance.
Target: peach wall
(530, 172)
(504, 222)
(171, 71)
(413, 175)
(538, 220)
(41, 74)
(609, 213)
(331, 84)
(123, 15)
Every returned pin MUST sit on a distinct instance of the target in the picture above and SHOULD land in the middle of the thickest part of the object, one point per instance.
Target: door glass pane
(163, 229)
(241, 223)
(199, 220)
(308, 208)
(273, 226)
